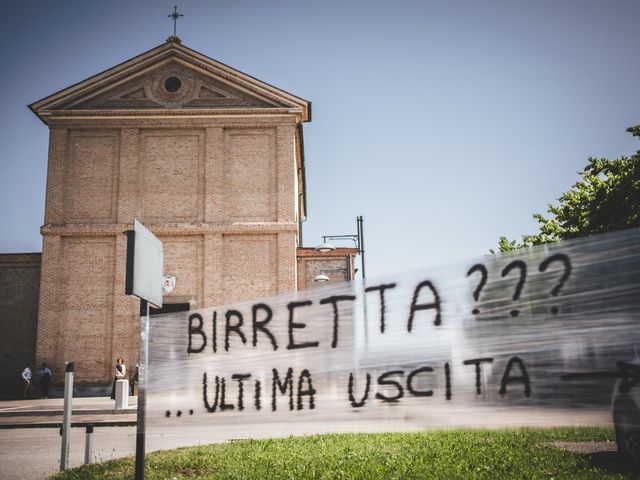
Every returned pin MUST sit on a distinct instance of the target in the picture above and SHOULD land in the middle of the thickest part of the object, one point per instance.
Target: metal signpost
(144, 280)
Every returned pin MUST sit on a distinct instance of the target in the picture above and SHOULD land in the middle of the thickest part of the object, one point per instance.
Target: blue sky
(444, 123)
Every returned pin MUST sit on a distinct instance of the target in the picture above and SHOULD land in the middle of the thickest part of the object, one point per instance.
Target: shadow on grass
(613, 462)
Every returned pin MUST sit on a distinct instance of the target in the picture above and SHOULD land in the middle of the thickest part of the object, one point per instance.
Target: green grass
(467, 454)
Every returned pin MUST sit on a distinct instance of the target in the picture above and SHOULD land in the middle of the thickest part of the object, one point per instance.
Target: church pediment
(169, 78)
(173, 85)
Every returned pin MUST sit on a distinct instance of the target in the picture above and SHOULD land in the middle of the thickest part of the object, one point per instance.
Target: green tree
(605, 199)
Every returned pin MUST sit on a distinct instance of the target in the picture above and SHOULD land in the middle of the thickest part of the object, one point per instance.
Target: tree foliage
(605, 199)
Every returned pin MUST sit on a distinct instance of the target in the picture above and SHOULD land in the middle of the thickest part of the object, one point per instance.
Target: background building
(337, 266)
(19, 285)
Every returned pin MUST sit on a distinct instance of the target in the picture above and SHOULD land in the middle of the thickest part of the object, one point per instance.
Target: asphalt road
(34, 453)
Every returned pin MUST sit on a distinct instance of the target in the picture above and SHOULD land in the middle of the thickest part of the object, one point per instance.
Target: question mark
(558, 257)
(519, 264)
(478, 267)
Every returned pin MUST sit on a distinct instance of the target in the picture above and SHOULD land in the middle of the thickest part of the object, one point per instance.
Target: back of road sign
(144, 265)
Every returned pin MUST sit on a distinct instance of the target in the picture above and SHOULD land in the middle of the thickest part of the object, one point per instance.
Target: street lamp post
(358, 239)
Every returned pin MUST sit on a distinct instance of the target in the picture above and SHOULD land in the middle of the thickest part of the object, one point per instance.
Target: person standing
(120, 372)
(26, 377)
(45, 379)
(134, 380)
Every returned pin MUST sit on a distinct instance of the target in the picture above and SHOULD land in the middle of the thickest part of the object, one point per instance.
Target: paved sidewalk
(34, 413)
(7, 407)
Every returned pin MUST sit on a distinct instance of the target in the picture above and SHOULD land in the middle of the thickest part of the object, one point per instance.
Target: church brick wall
(222, 198)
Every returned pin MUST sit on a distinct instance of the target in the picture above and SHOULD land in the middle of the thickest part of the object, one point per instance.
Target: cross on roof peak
(175, 15)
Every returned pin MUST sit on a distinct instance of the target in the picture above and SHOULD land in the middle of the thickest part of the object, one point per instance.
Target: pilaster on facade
(53, 211)
(128, 175)
(48, 329)
(286, 175)
(213, 261)
(287, 261)
(126, 312)
(214, 175)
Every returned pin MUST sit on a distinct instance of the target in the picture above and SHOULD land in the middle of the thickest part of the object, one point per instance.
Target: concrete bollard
(122, 394)
(88, 444)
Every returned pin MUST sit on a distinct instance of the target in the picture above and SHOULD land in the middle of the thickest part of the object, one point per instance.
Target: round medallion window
(172, 84)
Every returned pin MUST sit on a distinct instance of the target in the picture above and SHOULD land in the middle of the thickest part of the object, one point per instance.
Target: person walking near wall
(26, 377)
(45, 379)
(120, 372)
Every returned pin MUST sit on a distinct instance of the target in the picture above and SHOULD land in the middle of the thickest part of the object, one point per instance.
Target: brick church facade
(208, 158)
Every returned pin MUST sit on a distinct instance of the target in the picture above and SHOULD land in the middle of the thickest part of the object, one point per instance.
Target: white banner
(542, 336)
